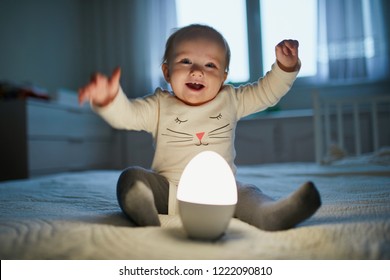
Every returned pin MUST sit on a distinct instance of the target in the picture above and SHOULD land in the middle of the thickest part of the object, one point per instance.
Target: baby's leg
(257, 209)
(142, 195)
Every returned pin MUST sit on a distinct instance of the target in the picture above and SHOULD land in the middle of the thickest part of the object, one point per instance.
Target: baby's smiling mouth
(195, 86)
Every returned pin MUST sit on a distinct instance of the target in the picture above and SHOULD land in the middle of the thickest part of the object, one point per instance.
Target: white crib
(355, 124)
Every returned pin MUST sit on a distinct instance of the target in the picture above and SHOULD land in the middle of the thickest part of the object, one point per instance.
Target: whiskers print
(175, 136)
(178, 136)
(217, 133)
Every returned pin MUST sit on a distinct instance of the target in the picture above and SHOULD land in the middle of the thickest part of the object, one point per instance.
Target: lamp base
(203, 221)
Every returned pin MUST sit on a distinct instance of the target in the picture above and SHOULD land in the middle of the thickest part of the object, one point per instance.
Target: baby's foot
(139, 206)
(288, 212)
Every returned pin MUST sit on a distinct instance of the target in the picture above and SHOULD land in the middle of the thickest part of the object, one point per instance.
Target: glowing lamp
(207, 196)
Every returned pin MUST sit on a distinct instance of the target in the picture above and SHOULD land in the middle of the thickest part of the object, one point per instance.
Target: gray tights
(143, 194)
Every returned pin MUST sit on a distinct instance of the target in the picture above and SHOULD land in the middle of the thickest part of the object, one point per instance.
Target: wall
(41, 43)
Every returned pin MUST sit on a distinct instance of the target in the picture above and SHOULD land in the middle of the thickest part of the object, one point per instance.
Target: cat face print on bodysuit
(200, 132)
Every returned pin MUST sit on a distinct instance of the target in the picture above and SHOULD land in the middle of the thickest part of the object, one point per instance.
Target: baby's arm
(287, 55)
(101, 90)
(274, 85)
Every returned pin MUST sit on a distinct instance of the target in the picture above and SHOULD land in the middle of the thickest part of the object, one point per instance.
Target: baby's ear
(165, 70)
(225, 76)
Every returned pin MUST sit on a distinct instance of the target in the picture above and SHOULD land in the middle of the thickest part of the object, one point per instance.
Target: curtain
(352, 40)
(129, 34)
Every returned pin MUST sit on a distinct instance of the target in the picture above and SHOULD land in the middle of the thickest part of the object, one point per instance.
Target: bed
(75, 216)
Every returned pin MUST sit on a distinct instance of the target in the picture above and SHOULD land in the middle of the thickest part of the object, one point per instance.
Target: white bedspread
(76, 216)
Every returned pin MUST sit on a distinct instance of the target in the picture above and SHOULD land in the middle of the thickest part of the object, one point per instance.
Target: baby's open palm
(101, 90)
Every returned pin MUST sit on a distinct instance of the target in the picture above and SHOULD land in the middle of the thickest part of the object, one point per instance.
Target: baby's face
(196, 72)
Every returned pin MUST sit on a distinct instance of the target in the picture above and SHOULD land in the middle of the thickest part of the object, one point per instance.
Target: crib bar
(332, 113)
(317, 127)
(328, 139)
(340, 130)
(374, 119)
(356, 121)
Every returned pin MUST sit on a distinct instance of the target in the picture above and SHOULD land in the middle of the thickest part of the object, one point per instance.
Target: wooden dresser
(43, 137)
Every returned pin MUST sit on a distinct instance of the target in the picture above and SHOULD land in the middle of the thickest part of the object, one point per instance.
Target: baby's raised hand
(101, 90)
(287, 55)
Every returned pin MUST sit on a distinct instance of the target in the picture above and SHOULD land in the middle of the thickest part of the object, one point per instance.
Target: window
(276, 24)
(232, 25)
(293, 21)
(339, 40)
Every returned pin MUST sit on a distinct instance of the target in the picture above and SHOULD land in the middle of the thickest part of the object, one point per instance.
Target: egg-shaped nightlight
(207, 196)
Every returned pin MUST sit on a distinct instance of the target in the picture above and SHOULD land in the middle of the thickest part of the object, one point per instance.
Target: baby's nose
(196, 71)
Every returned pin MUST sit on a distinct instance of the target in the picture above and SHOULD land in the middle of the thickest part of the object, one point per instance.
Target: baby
(199, 114)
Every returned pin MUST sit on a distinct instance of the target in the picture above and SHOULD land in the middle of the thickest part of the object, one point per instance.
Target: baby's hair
(195, 31)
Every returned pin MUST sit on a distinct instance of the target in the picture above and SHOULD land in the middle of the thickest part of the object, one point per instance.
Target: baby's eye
(211, 65)
(179, 121)
(185, 61)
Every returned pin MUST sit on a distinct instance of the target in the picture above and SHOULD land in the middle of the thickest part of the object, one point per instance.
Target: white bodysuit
(181, 131)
